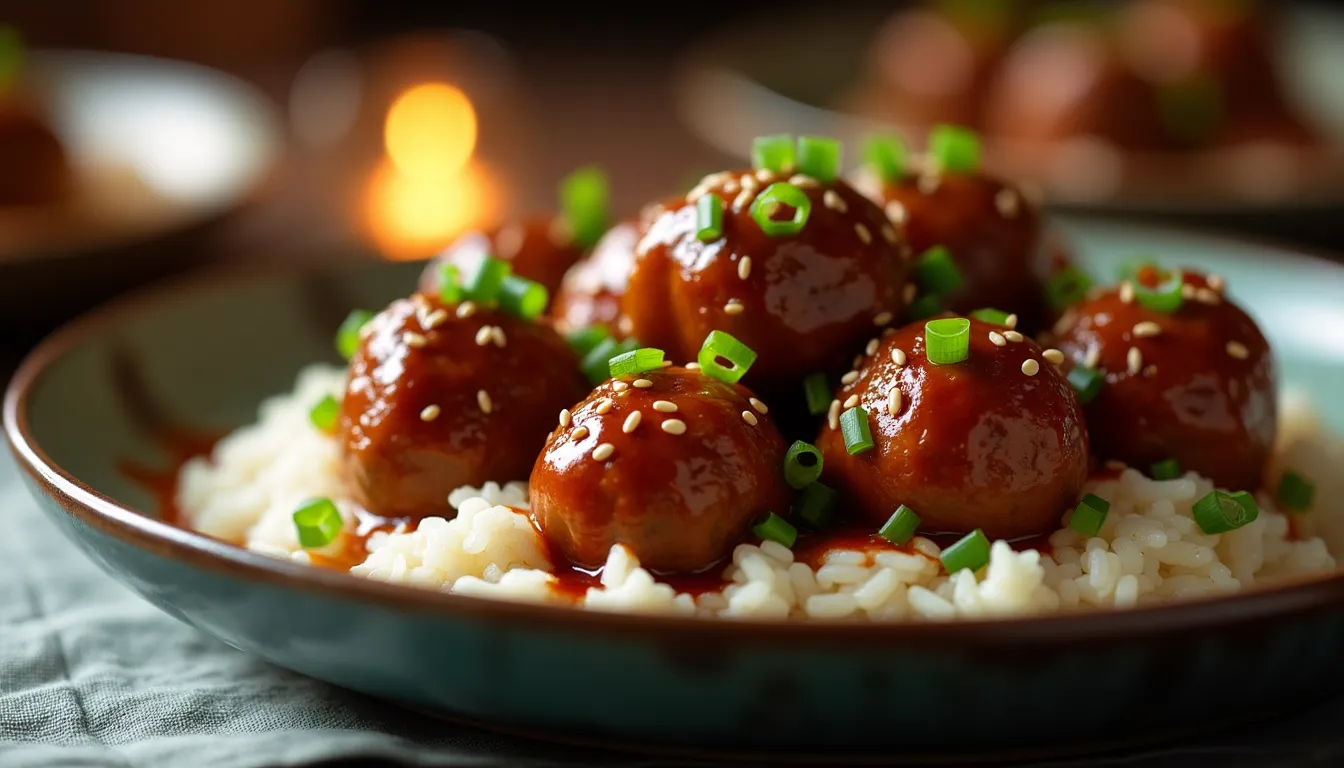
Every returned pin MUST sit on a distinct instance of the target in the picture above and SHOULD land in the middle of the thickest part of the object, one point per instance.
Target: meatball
(802, 301)
(996, 441)
(591, 292)
(1197, 385)
(671, 463)
(539, 249)
(36, 168)
(440, 396)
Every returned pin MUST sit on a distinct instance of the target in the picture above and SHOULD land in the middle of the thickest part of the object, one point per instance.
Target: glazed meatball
(444, 396)
(36, 168)
(1197, 385)
(996, 441)
(803, 301)
(539, 249)
(591, 292)
(671, 463)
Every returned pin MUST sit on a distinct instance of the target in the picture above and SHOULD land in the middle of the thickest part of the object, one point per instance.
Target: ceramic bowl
(204, 354)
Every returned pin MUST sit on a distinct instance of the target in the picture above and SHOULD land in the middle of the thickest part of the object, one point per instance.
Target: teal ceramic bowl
(203, 355)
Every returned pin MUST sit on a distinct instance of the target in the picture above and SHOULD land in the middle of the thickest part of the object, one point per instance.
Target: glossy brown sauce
(160, 482)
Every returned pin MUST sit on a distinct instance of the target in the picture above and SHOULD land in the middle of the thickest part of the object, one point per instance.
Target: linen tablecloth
(91, 675)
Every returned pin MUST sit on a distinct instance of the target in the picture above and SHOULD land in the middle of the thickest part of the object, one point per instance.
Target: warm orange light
(430, 130)
(415, 216)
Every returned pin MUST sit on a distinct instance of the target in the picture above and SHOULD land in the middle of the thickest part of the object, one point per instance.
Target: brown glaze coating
(808, 301)
(402, 461)
(1195, 397)
(591, 291)
(975, 444)
(36, 170)
(539, 248)
(680, 502)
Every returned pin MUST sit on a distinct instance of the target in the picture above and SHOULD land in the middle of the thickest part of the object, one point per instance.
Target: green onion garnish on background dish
(323, 415)
(936, 272)
(583, 340)
(802, 464)
(818, 393)
(1222, 511)
(925, 306)
(1089, 515)
(1167, 469)
(991, 316)
(347, 336)
(596, 365)
(819, 157)
(815, 506)
(450, 284)
(523, 298)
(948, 340)
(971, 553)
(708, 218)
(724, 357)
(1166, 297)
(636, 361)
(1295, 493)
(900, 527)
(781, 193)
(584, 200)
(1087, 382)
(956, 149)
(11, 55)
(318, 523)
(484, 286)
(772, 527)
(1067, 287)
(773, 153)
(854, 428)
(885, 154)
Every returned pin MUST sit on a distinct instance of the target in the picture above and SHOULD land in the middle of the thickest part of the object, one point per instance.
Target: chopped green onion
(1220, 511)
(1167, 469)
(773, 153)
(855, 430)
(584, 200)
(636, 361)
(1296, 492)
(597, 363)
(900, 527)
(927, 305)
(948, 340)
(937, 272)
(708, 218)
(583, 340)
(815, 505)
(991, 315)
(347, 336)
(802, 464)
(772, 527)
(1166, 297)
(1089, 515)
(1068, 287)
(971, 553)
(485, 285)
(819, 157)
(722, 346)
(450, 284)
(324, 414)
(318, 523)
(775, 195)
(956, 149)
(885, 154)
(1087, 382)
(522, 297)
(818, 393)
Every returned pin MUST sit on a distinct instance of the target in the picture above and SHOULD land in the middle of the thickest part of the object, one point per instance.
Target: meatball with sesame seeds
(995, 441)
(540, 249)
(671, 463)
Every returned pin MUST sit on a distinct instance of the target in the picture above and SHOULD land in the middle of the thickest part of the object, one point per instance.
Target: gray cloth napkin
(91, 675)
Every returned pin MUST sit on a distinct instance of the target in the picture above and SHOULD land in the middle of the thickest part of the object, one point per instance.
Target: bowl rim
(88, 506)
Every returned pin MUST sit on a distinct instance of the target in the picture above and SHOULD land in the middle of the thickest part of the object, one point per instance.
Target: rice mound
(1149, 549)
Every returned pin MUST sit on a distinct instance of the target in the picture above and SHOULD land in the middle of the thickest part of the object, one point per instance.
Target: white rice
(1149, 549)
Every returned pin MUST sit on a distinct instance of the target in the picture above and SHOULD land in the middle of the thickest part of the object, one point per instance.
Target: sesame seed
(888, 331)
(749, 417)
(733, 307)
(1115, 465)
(895, 213)
(1063, 324)
(414, 339)
(1238, 350)
(483, 336)
(665, 364)
(758, 406)
(1010, 322)
(1093, 357)
(882, 318)
(1206, 296)
(625, 325)
(748, 182)
(664, 406)
(692, 366)
(997, 338)
(928, 183)
(857, 362)
(743, 198)
(1006, 201)
(889, 234)
(833, 201)
(1012, 336)
(497, 334)
(578, 434)
(674, 427)
(565, 417)
(1127, 292)
(744, 268)
(1146, 329)
(619, 386)
(434, 320)
(765, 175)
(632, 421)
(1053, 356)
(560, 232)
(1134, 360)
(730, 187)
(1216, 282)
(851, 401)
(430, 413)
(898, 357)
(483, 400)
(1030, 366)
(604, 405)
(1187, 291)
(909, 293)
(871, 348)
(849, 378)
(421, 304)
(803, 180)
(865, 236)
(1150, 371)
(603, 452)
(643, 383)
(894, 401)
(833, 414)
